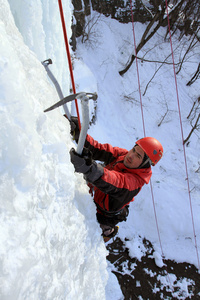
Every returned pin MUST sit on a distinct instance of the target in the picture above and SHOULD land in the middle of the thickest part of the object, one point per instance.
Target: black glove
(74, 128)
(82, 163)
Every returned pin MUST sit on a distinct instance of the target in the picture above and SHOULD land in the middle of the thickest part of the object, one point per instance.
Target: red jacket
(115, 185)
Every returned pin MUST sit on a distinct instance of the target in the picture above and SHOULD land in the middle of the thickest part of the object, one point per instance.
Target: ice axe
(84, 97)
(46, 64)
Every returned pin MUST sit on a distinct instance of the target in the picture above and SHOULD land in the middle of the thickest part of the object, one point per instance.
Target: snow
(158, 259)
(51, 245)
(170, 280)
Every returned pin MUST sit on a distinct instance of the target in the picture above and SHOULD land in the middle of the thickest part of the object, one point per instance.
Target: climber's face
(134, 157)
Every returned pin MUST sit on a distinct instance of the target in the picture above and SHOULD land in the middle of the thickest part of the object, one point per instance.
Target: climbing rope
(68, 57)
(141, 105)
(181, 126)
(185, 159)
(138, 76)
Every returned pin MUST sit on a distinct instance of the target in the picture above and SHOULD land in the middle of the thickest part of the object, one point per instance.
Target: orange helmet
(152, 148)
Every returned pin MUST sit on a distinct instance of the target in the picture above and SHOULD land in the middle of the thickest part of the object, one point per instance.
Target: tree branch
(193, 128)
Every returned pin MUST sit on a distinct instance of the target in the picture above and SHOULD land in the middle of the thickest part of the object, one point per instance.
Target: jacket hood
(144, 174)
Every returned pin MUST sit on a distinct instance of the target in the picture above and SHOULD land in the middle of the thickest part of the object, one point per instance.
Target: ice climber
(119, 179)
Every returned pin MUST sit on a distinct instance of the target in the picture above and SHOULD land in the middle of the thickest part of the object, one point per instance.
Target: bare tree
(155, 74)
(183, 15)
(147, 35)
(196, 126)
(195, 76)
(195, 40)
(89, 28)
(192, 115)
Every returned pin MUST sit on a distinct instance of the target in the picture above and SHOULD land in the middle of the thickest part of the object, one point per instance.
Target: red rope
(181, 125)
(152, 195)
(68, 57)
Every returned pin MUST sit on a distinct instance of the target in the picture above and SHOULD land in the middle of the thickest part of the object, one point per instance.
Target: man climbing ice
(119, 180)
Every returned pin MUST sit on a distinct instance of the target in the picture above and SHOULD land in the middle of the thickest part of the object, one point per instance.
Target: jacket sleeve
(103, 152)
(120, 187)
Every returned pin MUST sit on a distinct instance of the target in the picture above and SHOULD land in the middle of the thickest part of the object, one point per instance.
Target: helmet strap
(145, 163)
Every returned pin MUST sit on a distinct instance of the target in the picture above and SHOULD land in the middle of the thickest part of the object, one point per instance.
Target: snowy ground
(51, 246)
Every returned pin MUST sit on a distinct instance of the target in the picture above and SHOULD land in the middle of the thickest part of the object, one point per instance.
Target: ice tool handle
(85, 123)
(46, 64)
(84, 97)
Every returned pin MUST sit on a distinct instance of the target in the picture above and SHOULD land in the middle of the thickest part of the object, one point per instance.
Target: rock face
(121, 10)
(144, 279)
(117, 9)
